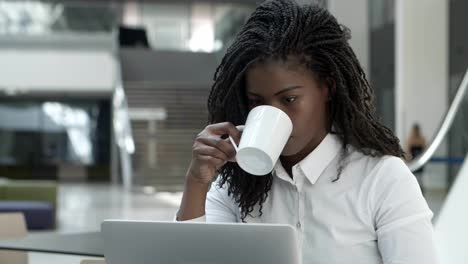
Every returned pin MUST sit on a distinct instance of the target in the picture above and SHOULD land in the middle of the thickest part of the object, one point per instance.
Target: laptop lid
(154, 242)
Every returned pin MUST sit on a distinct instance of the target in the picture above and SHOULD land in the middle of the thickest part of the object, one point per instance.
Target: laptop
(155, 242)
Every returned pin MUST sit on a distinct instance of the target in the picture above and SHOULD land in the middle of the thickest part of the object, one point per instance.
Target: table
(83, 244)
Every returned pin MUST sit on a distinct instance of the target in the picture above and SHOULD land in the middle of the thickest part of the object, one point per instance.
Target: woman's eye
(290, 99)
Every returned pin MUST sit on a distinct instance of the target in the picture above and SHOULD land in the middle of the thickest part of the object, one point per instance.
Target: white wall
(354, 15)
(65, 62)
(421, 65)
(40, 70)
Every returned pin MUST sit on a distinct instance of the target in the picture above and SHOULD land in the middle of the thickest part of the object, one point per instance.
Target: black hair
(279, 29)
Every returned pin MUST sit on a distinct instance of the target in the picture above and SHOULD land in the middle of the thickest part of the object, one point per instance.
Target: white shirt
(375, 213)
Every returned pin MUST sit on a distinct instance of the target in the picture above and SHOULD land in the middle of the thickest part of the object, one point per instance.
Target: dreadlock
(278, 29)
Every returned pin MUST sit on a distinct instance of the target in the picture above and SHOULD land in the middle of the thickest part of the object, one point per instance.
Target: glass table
(82, 244)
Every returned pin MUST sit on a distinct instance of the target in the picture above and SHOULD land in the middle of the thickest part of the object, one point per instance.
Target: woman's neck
(289, 161)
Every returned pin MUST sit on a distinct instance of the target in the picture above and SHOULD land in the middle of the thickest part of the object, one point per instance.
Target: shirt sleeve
(200, 219)
(219, 206)
(401, 216)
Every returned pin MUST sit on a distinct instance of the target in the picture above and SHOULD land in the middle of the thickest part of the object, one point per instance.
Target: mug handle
(240, 128)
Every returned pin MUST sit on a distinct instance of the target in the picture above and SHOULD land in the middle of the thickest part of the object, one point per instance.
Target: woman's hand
(211, 151)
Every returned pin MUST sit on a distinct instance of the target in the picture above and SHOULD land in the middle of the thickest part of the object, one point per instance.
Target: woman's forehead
(278, 71)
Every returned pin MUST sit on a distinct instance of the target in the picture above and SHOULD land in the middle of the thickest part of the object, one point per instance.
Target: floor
(82, 207)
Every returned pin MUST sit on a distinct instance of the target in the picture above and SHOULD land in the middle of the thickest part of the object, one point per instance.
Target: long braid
(278, 29)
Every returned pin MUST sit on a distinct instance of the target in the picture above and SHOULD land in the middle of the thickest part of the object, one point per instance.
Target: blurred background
(100, 100)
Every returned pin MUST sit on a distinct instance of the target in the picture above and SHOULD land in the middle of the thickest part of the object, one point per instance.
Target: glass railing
(456, 113)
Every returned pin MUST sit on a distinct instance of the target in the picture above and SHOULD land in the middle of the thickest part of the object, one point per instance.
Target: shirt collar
(314, 164)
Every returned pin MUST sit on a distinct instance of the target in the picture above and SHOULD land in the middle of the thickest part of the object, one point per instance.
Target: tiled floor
(82, 207)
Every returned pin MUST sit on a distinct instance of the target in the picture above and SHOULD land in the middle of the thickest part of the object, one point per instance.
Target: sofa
(36, 199)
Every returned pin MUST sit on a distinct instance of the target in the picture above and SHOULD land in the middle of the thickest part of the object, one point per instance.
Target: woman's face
(292, 88)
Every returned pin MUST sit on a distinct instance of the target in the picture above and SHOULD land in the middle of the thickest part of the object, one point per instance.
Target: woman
(416, 144)
(340, 179)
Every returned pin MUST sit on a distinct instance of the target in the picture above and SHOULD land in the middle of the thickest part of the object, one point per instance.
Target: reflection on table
(83, 244)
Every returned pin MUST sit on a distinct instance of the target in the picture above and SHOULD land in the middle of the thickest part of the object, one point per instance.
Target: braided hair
(276, 30)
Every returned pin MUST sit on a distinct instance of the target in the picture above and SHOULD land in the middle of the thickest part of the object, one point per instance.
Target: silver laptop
(149, 242)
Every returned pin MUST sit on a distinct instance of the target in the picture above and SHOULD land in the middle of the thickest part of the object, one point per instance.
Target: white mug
(266, 132)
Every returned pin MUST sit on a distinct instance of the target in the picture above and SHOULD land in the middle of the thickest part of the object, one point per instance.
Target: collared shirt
(375, 213)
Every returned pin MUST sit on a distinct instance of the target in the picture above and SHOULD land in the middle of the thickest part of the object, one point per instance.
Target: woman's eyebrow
(280, 92)
(288, 89)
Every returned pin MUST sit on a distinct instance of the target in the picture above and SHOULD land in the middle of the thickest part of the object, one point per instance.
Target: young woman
(340, 179)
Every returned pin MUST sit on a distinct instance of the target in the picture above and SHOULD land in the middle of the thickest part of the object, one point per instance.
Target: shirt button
(298, 225)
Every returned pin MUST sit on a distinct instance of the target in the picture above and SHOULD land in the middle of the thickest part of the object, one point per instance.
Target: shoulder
(375, 168)
(382, 176)
(389, 190)
(389, 171)
(391, 167)
(393, 192)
